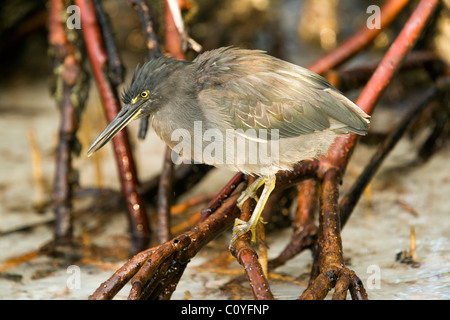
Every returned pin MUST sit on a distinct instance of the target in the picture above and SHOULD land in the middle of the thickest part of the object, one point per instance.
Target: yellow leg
(240, 226)
(250, 192)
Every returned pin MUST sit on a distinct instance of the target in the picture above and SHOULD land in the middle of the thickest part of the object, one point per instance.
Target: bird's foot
(250, 192)
(245, 195)
(241, 227)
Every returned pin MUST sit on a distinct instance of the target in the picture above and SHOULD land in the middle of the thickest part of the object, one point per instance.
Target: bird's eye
(144, 94)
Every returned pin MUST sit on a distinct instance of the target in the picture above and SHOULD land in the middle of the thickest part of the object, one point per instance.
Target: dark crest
(144, 77)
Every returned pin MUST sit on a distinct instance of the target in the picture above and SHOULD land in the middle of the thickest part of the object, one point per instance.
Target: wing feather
(258, 91)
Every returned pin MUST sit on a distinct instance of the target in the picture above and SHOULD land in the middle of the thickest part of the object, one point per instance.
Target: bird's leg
(250, 192)
(241, 226)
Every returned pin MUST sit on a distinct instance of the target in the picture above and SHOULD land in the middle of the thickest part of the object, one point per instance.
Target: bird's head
(143, 97)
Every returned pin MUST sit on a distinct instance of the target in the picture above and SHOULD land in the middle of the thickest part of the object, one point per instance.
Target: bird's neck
(178, 106)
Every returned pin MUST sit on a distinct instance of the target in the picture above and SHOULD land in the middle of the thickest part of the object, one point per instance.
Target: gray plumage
(232, 88)
(261, 91)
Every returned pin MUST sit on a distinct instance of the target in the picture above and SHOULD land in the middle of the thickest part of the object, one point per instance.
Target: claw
(250, 192)
(241, 227)
(246, 194)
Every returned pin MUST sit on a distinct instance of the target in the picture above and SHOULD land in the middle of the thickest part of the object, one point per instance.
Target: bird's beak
(127, 114)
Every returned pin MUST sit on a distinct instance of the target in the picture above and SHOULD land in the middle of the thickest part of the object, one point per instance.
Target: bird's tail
(358, 121)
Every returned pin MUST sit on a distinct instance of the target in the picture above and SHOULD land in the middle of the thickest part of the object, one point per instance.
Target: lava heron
(240, 109)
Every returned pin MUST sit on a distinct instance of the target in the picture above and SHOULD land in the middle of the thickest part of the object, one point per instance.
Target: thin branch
(222, 195)
(174, 43)
(152, 43)
(127, 171)
(115, 65)
(153, 47)
(71, 93)
(165, 199)
(355, 77)
(330, 243)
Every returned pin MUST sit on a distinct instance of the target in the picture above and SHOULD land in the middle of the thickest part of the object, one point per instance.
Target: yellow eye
(144, 94)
